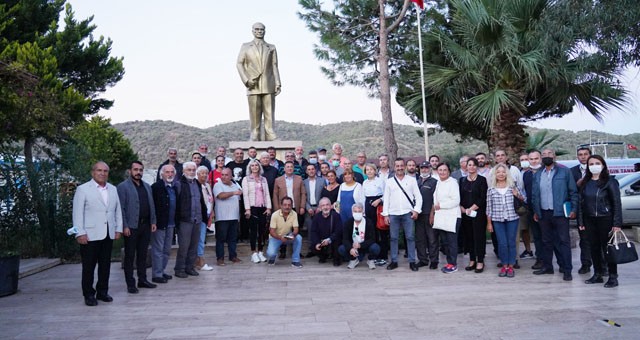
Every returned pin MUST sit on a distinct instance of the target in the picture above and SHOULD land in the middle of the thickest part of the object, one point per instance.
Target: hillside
(151, 139)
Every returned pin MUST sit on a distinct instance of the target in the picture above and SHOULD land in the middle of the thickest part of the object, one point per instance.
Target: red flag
(631, 147)
(420, 3)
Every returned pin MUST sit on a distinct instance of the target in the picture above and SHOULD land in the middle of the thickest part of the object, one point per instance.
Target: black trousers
(92, 253)
(135, 247)
(597, 230)
(257, 227)
(475, 236)
(331, 249)
(427, 240)
(585, 248)
(382, 236)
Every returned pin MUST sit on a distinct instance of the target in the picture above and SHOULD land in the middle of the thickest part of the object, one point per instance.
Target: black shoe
(146, 284)
(611, 282)
(433, 265)
(191, 272)
(282, 255)
(479, 270)
(132, 290)
(516, 266)
(181, 275)
(159, 280)
(90, 301)
(413, 267)
(584, 269)
(422, 264)
(543, 271)
(310, 255)
(470, 268)
(337, 263)
(567, 276)
(537, 265)
(499, 265)
(167, 276)
(594, 279)
(322, 260)
(392, 266)
(104, 297)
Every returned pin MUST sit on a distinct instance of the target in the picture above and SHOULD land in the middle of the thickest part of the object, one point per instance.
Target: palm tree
(539, 141)
(497, 64)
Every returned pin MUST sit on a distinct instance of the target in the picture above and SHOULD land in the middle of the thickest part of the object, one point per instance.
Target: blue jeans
(373, 250)
(203, 234)
(406, 223)
(506, 234)
(274, 246)
(226, 231)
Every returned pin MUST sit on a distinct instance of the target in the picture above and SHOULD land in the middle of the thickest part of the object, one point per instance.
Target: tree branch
(400, 17)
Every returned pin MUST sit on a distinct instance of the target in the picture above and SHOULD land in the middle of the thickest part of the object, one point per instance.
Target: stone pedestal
(281, 146)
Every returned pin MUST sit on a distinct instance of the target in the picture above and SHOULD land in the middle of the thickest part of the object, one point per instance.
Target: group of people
(349, 211)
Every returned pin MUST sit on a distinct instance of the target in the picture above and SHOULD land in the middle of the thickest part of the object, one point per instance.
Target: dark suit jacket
(130, 203)
(161, 203)
(280, 191)
(577, 174)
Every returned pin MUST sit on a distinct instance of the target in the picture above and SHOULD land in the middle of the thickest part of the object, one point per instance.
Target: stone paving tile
(320, 301)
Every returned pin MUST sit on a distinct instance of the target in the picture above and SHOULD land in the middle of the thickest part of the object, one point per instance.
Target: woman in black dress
(473, 205)
(331, 190)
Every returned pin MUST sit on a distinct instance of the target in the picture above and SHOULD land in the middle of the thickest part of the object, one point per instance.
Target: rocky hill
(151, 138)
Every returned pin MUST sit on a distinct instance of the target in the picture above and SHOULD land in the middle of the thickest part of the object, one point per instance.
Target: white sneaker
(353, 263)
(261, 257)
(371, 264)
(206, 267)
(255, 258)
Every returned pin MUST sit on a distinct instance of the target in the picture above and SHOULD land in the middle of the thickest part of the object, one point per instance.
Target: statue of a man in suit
(258, 68)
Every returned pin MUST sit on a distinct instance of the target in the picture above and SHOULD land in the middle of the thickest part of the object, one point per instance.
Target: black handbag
(620, 250)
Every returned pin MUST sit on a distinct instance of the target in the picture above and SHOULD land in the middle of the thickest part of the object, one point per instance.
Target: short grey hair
(202, 168)
(189, 164)
(357, 205)
(324, 199)
(264, 154)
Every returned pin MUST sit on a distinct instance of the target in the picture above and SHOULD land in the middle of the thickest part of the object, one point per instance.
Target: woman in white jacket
(445, 215)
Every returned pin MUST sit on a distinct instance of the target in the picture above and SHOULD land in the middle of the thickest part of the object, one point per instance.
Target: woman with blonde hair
(257, 207)
(502, 198)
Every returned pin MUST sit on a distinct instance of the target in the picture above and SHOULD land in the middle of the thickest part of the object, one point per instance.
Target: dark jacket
(322, 228)
(183, 202)
(427, 187)
(369, 234)
(161, 203)
(600, 200)
(130, 203)
(564, 190)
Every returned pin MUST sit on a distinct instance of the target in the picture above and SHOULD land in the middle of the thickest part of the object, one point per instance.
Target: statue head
(258, 30)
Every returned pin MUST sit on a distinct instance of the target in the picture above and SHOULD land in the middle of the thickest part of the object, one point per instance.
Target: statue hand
(278, 90)
(251, 83)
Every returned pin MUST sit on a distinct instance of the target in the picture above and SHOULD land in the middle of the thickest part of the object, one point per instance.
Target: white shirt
(373, 187)
(395, 201)
(104, 192)
(312, 186)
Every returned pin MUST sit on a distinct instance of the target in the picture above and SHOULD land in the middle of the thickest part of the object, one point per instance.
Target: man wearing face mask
(578, 173)
(523, 225)
(427, 241)
(335, 165)
(326, 233)
(553, 187)
(313, 160)
(358, 239)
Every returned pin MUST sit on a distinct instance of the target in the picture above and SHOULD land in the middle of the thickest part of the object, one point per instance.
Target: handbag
(380, 223)
(620, 250)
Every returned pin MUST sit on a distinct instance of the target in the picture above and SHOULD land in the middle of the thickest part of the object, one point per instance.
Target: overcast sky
(179, 59)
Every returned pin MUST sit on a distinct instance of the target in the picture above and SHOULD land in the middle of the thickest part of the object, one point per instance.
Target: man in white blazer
(257, 65)
(98, 217)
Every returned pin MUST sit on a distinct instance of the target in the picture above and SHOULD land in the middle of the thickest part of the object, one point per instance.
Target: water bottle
(72, 231)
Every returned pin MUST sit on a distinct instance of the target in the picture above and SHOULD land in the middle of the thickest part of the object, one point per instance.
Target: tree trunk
(39, 200)
(508, 134)
(390, 145)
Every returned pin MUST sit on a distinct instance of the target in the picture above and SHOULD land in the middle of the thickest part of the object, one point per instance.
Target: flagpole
(424, 104)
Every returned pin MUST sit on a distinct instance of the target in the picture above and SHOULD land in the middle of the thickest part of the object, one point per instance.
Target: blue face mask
(313, 161)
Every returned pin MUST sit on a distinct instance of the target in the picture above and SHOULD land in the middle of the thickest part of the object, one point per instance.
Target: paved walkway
(323, 302)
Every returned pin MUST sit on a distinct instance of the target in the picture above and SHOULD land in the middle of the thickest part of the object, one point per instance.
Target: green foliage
(497, 64)
(540, 140)
(96, 140)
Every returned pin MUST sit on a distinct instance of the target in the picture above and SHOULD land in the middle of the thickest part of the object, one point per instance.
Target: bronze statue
(258, 68)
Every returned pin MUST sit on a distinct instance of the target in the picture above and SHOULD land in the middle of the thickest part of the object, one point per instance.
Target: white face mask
(322, 157)
(595, 169)
(357, 216)
(524, 164)
(535, 167)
